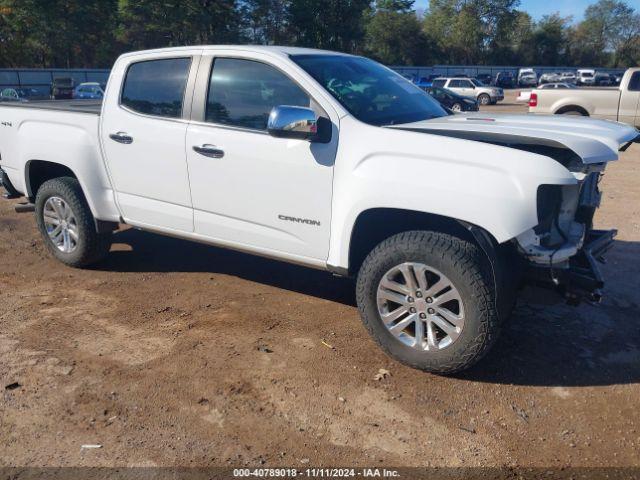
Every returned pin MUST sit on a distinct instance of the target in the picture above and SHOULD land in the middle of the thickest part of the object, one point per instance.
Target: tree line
(92, 33)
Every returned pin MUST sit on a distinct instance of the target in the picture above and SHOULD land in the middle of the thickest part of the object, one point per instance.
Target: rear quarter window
(634, 83)
(156, 87)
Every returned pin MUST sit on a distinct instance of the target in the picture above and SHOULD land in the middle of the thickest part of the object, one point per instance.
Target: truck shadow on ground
(542, 344)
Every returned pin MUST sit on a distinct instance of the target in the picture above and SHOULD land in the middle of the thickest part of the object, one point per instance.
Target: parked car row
(21, 95)
(61, 88)
(527, 77)
(501, 79)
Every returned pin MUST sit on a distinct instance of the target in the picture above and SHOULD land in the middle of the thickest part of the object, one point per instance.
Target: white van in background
(585, 77)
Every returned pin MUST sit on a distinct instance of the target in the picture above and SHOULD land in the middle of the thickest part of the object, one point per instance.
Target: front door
(264, 193)
(143, 133)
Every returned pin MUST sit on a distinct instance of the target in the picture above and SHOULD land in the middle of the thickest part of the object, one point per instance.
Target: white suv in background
(471, 87)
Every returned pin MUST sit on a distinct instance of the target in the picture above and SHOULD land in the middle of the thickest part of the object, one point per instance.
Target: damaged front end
(563, 250)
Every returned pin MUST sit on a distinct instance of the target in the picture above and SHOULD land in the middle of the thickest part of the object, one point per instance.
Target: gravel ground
(177, 354)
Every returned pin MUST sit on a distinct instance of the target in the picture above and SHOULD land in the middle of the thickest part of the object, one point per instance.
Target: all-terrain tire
(91, 246)
(462, 263)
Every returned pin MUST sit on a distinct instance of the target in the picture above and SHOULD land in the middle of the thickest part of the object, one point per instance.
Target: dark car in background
(485, 78)
(602, 79)
(62, 88)
(504, 80)
(452, 101)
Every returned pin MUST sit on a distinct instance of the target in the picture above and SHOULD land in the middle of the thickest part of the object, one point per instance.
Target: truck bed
(81, 106)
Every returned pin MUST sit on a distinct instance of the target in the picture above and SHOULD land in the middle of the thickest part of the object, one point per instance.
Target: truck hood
(593, 141)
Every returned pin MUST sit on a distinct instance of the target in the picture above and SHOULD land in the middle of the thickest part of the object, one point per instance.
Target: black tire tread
(95, 246)
(465, 256)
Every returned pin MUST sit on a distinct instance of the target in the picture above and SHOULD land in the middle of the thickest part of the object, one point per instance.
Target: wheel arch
(572, 108)
(36, 172)
(501, 261)
(374, 225)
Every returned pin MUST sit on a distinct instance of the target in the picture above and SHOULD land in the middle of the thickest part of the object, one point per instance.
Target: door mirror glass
(293, 122)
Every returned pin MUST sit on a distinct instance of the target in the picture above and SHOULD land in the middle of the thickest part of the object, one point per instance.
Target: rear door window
(439, 83)
(156, 87)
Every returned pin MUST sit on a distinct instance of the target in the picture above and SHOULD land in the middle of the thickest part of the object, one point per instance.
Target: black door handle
(121, 137)
(210, 151)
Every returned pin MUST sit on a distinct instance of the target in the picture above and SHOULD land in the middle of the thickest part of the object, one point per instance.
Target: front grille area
(589, 199)
(548, 203)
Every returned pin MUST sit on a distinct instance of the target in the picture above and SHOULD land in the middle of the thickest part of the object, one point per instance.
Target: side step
(25, 207)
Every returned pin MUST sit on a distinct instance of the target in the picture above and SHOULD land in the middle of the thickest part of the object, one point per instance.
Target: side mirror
(293, 122)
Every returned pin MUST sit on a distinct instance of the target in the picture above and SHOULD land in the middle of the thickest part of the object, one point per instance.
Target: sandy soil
(177, 354)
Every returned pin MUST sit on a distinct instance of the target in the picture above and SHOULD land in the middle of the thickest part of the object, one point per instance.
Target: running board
(25, 207)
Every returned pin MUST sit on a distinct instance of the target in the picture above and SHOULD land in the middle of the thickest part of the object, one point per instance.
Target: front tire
(426, 299)
(67, 225)
(484, 99)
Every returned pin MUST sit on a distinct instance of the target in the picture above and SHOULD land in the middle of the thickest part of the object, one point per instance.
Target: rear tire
(62, 207)
(471, 316)
(456, 107)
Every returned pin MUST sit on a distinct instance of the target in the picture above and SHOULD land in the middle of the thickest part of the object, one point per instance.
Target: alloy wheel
(61, 224)
(420, 306)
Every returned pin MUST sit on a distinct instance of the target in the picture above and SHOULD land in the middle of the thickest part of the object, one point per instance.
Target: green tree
(268, 21)
(455, 29)
(522, 40)
(60, 33)
(330, 24)
(150, 24)
(394, 34)
(551, 39)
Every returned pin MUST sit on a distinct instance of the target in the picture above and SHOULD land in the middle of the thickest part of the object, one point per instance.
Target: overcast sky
(538, 8)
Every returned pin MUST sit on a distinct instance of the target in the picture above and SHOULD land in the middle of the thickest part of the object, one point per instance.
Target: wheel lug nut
(423, 316)
(410, 299)
(431, 311)
(412, 310)
(419, 294)
(429, 300)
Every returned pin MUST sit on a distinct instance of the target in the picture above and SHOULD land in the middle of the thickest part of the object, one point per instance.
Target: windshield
(370, 92)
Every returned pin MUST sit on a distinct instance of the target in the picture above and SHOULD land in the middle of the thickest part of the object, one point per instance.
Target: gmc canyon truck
(330, 161)
(620, 104)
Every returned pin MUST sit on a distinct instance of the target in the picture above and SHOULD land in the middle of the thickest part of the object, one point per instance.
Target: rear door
(264, 193)
(143, 135)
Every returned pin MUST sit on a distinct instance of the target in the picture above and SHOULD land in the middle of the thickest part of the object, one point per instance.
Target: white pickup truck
(330, 161)
(621, 104)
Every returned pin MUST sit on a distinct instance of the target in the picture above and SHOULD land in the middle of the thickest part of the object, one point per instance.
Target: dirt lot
(172, 353)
